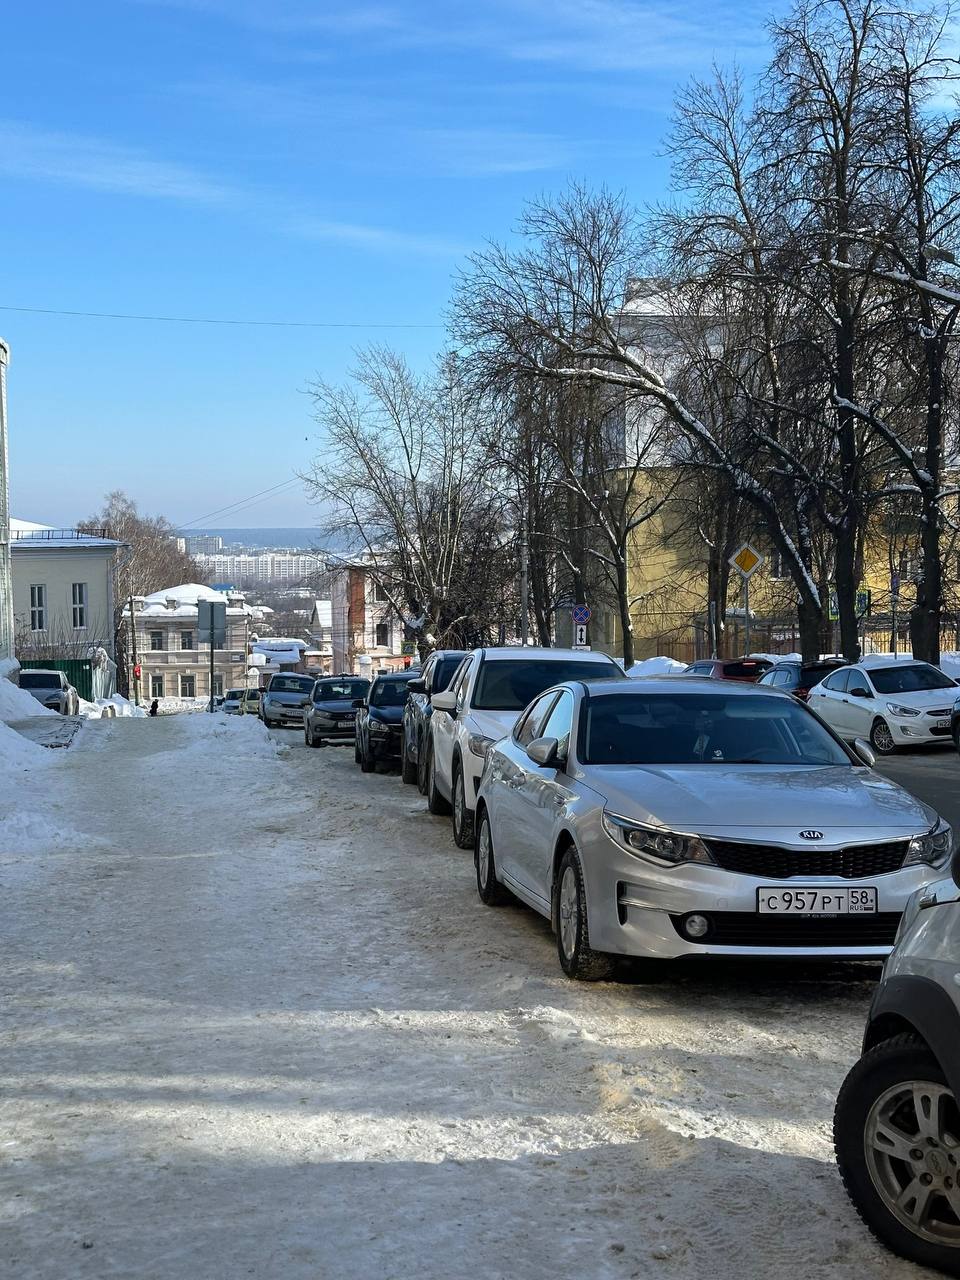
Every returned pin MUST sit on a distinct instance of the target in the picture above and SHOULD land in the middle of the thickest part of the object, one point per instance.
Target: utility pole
(746, 614)
(135, 679)
(524, 576)
(213, 640)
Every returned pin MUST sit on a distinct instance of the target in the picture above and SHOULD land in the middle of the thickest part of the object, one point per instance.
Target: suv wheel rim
(569, 912)
(483, 854)
(911, 1143)
(882, 736)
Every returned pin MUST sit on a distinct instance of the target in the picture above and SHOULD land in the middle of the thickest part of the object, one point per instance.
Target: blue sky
(296, 160)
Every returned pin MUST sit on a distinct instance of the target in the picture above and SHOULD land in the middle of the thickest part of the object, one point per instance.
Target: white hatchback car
(482, 703)
(893, 704)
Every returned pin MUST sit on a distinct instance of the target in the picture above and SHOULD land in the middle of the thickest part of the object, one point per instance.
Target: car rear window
(810, 676)
(511, 684)
(748, 668)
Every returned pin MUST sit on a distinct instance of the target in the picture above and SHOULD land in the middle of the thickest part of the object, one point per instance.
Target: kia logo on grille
(811, 835)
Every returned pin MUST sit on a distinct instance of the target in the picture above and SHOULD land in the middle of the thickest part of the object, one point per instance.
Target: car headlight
(479, 744)
(933, 849)
(379, 726)
(895, 709)
(655, 842)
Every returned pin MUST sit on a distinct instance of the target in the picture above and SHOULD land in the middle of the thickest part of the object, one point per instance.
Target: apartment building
(365, 633)
(263, 566)
(173, 663)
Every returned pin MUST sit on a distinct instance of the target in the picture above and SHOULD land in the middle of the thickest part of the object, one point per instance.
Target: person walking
(155, 707)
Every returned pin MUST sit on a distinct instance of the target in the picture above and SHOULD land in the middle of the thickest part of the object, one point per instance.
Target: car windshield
(388, 693)
(236, 694)
(291, 684)
(340, 690)
(908, 679)
(38, 680)
(699, 728)
(513, 683)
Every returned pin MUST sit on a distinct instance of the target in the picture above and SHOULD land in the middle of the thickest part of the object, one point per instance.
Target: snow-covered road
(256, 1023)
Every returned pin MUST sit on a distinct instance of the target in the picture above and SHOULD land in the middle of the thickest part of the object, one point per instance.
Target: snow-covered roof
(186, 593)
(322, 613)
(26, 536)
(27, 526)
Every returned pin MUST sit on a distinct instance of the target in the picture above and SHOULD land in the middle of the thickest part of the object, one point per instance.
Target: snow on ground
(18, 704)
(256, 1024)
(660, 666)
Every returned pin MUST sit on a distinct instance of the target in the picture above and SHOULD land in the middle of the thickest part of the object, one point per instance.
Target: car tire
(421, 767)
(408, 769)
(578, 960)
(462, 818)
(314, 741)
(357, 757)
(492, 892)
(881, 739)
(436, 803)
(367, 761)
(872, 1175)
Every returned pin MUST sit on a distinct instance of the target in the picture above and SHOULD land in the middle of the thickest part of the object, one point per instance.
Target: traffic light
(136, 672)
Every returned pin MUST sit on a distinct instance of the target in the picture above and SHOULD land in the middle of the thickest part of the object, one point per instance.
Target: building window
(383, 635)
(186, 639)
(78, 597)
(380, 592)
(218, 686)
(38, 607)
(777, 567)
(188, 686)
(156, 640)
(156, 686)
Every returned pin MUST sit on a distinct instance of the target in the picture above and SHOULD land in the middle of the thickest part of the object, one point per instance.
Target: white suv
(480, 706)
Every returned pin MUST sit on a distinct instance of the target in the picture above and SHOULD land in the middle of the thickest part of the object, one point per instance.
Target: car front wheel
(897, 1138)
(367, 762)
(436, 803)
(408, 767)
(491, 891)
(577, 958)
(462, 817)
(881, 738)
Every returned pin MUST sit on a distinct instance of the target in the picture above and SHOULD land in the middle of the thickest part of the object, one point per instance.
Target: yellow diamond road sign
(746, 561)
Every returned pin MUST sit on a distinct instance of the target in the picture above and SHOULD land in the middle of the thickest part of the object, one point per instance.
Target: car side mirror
(445, 701)
(865, 752)
(416, 686)
(544, 752)
(859, 692)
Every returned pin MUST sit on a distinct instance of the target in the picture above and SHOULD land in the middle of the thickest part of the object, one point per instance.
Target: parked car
(331, 712)
(895, 705)
(490, 689)
(235, 700)
(955, 723)
(380, 720)
(897, 1119)
(437, 673)
(748, 670)
(52, 689)
(799, 678)
(284, 699)
(661, 817)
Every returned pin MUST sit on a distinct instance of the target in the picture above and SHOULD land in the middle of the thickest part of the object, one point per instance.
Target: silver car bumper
(637, 908)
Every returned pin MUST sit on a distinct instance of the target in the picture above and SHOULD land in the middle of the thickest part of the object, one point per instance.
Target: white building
(63, 591)
(265, 566)
(172, 661)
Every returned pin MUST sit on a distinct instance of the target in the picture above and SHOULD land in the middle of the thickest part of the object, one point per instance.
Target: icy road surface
(256, 1023)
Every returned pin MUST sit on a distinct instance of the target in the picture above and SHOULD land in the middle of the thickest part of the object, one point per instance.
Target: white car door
(829, 700)
(444, 727)
(541, 798)
(861, 708)
(508, 807)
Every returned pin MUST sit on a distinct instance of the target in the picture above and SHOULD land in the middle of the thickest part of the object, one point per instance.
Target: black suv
(799, 678)
(438, 671)
(379, 716)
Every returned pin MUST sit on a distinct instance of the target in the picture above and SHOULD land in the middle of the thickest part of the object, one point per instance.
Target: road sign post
(581, 614)
(746, 561)
(212, 628)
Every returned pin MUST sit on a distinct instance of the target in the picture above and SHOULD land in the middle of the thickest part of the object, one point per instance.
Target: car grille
(858, 862)
(746, 929)
(939, 715)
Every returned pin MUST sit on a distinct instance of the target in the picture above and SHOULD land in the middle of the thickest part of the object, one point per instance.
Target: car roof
(43, 671)
(541, 655)
(394, 675)
(672, 685)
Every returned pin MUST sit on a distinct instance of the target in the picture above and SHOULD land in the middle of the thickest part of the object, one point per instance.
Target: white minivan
(481, 704)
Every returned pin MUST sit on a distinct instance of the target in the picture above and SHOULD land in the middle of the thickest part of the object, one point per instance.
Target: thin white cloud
(95, 164)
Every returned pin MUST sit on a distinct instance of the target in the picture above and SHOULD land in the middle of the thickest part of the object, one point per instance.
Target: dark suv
(799, 678)
(330, 714)
(747, 670)
(379, 718)
(438, 670)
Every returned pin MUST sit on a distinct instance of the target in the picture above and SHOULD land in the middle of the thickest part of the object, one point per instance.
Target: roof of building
(323, 613)
(26, 535)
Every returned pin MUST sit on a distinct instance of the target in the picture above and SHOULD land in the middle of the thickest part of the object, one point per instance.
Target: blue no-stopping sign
(582, 614)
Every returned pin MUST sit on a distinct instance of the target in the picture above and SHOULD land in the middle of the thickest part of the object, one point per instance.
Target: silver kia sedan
(681, 817)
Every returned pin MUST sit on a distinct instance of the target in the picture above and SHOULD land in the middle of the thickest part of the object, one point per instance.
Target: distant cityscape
(243, 557)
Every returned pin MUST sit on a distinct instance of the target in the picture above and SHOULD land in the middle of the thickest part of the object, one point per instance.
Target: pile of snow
(123, 706)
(18, 752)
(18, 704)
(659, 666)
(237, 737)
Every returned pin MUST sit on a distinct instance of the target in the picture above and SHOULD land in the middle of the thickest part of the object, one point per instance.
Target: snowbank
(123, 706)
(17, 752)
(237, 738)
(659, 666)
(17, 704)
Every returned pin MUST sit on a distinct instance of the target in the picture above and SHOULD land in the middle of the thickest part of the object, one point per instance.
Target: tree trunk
(623, 608)
(810, 620)
(925, 615)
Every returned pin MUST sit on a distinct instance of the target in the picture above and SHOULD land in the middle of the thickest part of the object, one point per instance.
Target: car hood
(493, 724)
(923, 698)
(287, 699)
(336, 707)
(738, 799)
(389, 715)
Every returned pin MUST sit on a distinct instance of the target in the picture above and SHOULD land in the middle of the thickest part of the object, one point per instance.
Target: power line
(263, 324)
(241, 502)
